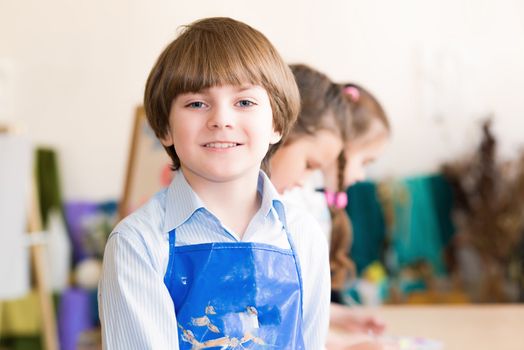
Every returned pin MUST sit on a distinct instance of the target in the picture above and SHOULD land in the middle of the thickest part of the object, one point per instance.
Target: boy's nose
(220, 118)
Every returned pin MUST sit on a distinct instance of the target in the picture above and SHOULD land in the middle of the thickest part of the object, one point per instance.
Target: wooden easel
(38, 258)
(37, 253)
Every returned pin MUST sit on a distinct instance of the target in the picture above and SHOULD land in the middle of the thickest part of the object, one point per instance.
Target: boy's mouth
(221, 144)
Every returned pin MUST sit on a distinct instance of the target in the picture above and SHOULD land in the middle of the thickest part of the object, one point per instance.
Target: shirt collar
(269, 193)
(182, 202)
(271, 199)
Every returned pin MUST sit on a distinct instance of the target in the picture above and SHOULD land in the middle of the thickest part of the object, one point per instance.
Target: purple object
(74, 317)
(75, 212)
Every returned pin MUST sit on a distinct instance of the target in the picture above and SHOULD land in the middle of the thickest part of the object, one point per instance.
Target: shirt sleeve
(313, 255)
(136, 310)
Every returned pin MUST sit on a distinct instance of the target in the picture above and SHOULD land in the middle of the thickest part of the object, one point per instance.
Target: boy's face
(221, 133)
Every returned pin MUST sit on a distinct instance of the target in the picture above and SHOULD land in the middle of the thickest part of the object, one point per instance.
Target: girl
(318, 135)
(370, 133)
(312, 145)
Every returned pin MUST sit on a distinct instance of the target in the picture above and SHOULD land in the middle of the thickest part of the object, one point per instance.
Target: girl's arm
(136, 310)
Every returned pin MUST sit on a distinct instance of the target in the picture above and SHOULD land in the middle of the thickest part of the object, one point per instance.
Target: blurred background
(438, 221)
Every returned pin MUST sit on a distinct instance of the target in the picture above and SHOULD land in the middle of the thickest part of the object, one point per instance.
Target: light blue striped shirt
(136, 310)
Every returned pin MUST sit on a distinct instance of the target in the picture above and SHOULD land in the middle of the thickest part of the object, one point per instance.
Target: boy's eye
(245, 103)
(196, 104)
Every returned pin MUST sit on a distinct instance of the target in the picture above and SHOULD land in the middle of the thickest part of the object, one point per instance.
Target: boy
(215, 260)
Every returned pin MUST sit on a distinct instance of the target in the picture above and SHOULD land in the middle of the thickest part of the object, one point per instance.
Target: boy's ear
(275, 137)
(167, 140)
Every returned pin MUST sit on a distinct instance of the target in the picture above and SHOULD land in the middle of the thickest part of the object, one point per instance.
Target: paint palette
(410, 343)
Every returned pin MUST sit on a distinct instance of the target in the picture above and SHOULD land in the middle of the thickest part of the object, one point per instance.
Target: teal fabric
(422, 221)
(443, 199)
(367, 218)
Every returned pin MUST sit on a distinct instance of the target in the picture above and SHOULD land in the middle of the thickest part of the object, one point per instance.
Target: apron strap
(279, 207)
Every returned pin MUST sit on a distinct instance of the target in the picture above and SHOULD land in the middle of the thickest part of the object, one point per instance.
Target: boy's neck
(234, 203)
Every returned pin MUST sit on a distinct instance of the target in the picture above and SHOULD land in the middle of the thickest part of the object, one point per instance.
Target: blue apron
(236, 295)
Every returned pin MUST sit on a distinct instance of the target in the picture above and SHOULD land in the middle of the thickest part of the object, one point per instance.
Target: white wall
(73, 71)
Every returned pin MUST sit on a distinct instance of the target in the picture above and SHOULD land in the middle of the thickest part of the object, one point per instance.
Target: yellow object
(375, 272)
(21, 316)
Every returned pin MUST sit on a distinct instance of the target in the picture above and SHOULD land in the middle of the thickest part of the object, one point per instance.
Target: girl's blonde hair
(219, 51)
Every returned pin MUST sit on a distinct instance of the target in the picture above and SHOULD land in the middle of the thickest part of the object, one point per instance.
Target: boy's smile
(221, 145)
(222, 132)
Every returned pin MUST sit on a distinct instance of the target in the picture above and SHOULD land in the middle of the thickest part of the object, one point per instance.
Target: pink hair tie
(337, 200)
(352, 92)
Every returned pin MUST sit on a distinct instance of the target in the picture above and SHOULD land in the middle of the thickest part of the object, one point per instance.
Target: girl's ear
(276, 136)
(167, 140)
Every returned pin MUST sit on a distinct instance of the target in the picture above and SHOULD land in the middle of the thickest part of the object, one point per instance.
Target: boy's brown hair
(220, 51)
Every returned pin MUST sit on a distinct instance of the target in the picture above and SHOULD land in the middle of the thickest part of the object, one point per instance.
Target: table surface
(459, 327)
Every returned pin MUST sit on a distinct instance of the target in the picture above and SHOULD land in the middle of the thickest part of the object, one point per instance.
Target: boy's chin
(221, 175)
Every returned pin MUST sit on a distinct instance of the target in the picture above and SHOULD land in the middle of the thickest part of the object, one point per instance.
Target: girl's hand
(338, 340)
(354, 320)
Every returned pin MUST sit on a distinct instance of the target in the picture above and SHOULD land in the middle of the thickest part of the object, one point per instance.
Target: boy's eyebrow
(242, 88)
(239, 88)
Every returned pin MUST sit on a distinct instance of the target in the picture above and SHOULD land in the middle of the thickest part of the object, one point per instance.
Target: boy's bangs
(210, 65)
